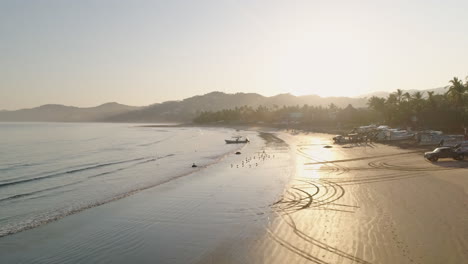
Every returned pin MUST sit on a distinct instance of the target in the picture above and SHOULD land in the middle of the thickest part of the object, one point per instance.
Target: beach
(177, 219)
(369, 203)
(287, 198)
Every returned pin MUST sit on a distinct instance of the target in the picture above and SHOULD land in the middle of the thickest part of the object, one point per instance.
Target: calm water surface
(50, 170)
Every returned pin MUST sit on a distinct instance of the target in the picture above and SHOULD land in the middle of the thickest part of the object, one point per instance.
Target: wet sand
(368, 204)
(222, 206)
(285, 199)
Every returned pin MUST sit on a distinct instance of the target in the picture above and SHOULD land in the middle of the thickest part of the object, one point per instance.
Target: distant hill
(187, 109)
(62, 113)
(170, 111)
(440, 90)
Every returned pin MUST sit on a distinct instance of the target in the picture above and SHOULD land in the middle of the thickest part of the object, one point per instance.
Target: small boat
(237, 140)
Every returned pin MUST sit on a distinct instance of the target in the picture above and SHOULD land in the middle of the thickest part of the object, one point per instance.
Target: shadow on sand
(449, 163)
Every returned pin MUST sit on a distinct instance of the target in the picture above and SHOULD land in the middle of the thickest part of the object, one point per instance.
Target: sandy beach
(368, 204)
(286, 199)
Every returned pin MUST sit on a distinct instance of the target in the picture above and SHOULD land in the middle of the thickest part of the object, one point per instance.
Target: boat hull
(236, 141)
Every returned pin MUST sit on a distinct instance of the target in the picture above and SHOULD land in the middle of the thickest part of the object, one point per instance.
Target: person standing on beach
(441, 143)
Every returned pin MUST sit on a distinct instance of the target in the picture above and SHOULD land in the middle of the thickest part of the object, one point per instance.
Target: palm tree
(466, 88)
(430, 96)
(376, 103)
(406, 96)
(399, 95)
(415, 106)
(392, 99)
(456, 92)
(418, 100)
(431, 102)
(418, 95)
(391, 107)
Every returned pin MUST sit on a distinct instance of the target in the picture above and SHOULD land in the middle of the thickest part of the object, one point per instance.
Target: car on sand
(444, 152)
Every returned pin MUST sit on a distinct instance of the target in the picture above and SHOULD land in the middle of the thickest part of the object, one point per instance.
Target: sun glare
(327, 65)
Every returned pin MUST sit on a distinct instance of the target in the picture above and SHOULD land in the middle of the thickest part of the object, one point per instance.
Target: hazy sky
(85, 53)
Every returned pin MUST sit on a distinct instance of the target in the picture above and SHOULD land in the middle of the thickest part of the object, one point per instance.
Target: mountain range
(176, 111)
(62, 113)
(187, 109)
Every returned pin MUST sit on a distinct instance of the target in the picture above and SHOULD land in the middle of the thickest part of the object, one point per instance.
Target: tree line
(419, 110)
(447, 112)
(288, 115)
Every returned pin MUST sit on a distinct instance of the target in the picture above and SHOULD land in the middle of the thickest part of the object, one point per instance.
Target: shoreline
(161, 203)
(355, 203)
(294, 131)
(54, 216)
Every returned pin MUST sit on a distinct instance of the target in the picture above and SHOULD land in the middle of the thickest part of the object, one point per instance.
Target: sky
(135, 52)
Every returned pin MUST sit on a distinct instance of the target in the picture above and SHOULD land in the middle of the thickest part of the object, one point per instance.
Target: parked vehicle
(444, 152)
(462, 146)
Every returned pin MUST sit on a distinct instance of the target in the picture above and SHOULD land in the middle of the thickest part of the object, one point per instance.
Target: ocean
(51, 170)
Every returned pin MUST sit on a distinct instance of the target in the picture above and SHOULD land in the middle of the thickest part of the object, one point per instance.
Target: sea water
(51, 170)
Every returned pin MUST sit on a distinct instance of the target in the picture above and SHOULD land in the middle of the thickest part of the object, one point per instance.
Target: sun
(325, 68)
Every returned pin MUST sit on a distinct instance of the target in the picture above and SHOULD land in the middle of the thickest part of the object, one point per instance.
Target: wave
(68, 172)
(154, 142)
(41, 174)
(136, 164)
(17, 165)
(21, 195)
(48, 217)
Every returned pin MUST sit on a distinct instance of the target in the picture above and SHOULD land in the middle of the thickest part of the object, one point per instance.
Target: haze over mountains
(62, 113)
(170, 111)
(174, 111)
(440, 90)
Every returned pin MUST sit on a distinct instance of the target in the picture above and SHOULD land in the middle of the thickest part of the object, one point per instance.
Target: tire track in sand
(323, 194)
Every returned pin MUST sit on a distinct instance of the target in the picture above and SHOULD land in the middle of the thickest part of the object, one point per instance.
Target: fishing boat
(237, 140)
